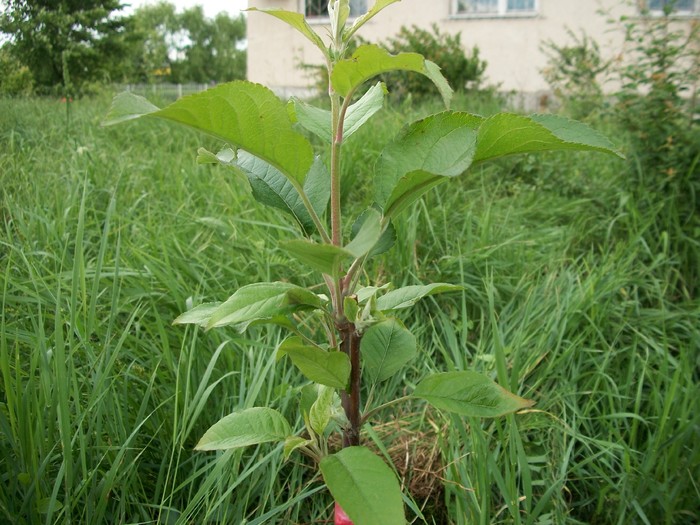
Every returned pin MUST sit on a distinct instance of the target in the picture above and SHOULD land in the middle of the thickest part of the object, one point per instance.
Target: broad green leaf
(318, 121)
(367, 292)
(330, 368)
(378, 6)
(298, 22)
(325, 258)
(270, 187)
(368, 235)
(292, 443)
(507, 134)
(127, 106)
(386, 347)
(312, 118)
(469, 394)
(409, 189)
(261, 302)
(317, 186)
(370, 60)
(362, 110)
(364, 486)
(322, 410)
(409, 295)
(386, 240)
(245, 428)
(245, 115)
(439, 145)
(433, 72)
(198, 315)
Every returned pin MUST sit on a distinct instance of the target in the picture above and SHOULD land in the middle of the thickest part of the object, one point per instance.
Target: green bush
(461, 69)
(573, 72)
(657, 105)
(16, 79)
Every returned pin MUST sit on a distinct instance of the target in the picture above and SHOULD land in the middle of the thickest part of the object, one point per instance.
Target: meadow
(573, 287)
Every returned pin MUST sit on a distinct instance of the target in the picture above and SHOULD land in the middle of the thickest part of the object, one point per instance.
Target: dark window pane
(477, 6)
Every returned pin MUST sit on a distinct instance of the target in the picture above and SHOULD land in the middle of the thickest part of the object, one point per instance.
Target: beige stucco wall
(511, 46)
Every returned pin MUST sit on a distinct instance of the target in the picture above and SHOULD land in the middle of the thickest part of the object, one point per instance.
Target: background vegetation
(580, 284)
(70, 48)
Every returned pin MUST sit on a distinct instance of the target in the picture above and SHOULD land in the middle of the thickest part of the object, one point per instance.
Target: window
(494, 7)
(319, 8)
(674, 6)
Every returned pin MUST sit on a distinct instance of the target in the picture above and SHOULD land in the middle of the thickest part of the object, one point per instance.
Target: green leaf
(409, 189)
(127, 106)
(246, 115)
(318, 121)
(245, 428)
(292, 443)
(322, 410)
(368, 235)
(364, 486)
(362, 110)
(309, 395)
(367, 292)
(198, 315)
(439, 145)
(508, 134)
(386, 347)
(325, 258)
(271, 188)
(351, 308)
(338, 18)
(378, 6)
(312, 118)
(262, 302)
(469, 394)
(298, 22)
(370, 60)
(409, 295)
(330, 368)
(386, 239)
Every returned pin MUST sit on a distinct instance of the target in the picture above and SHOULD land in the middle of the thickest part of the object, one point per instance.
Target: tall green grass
(108, 234)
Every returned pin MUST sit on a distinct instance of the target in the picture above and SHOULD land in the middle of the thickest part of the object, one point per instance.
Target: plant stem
(335, 171)
(351, 398)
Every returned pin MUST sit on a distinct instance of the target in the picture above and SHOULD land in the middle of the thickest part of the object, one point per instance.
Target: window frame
(502, 11)
(324, 19)
(678, 13)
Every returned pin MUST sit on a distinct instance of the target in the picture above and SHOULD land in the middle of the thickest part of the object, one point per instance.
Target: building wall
(510, 45)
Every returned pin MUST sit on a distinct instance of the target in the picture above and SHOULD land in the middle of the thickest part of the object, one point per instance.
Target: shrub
(16, 79)
(573, 72)
(461, 69)
(657, 105)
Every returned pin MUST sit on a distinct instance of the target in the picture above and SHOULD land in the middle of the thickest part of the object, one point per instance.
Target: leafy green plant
(351, 335)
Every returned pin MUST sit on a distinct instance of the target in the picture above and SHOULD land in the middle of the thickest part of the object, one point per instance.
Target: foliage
(16, 79)
(351, 327)
(109, 234)
(658, 106)
(65, 43)
(187, 46)
(574, 71)
(462, 70)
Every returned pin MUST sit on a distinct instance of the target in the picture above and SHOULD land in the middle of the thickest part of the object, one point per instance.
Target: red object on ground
(340, 517)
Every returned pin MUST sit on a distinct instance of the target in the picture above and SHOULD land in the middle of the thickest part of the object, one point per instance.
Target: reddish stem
(351, 398)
